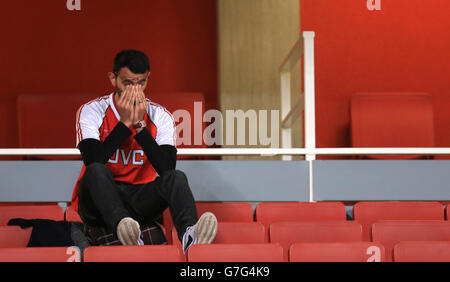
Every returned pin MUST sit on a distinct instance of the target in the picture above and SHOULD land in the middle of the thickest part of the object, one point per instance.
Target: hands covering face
(131, 105)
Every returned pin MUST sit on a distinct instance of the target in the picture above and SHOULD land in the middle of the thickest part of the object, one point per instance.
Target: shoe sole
(131, 233)
(206, 228)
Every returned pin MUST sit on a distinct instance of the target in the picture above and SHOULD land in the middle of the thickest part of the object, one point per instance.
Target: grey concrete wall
(372, 180)
(53, 181)
(254, 181)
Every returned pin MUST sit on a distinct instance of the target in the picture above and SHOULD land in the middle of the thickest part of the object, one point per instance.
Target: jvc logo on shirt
(135, 156)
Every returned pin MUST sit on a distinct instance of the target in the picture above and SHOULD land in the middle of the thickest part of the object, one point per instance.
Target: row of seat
(365, 213)
(388, 233)
(284, 233)
(410, 251)
(376, 119)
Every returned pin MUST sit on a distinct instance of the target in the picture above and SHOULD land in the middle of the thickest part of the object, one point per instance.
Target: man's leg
(100, 201)
(169, 190)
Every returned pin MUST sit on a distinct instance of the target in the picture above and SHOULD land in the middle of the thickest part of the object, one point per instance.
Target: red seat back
(147, 253)
(391, 232)
(240, 212)
(270, 212)
(337, 252)
(236, 253)
(422, 251)
(234, 233)
(392, 120)
(40, 254)
(287, 233)
(240, 233)
(367, 213)
(14, 236)
(224, 212)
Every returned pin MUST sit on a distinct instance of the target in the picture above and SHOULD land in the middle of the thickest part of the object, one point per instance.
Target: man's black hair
(135, 60)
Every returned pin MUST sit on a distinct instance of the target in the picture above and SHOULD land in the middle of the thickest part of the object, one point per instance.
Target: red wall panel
(402, 47)
(49, 49)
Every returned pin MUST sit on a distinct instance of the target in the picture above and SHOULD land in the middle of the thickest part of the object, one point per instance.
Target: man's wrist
(127, 123)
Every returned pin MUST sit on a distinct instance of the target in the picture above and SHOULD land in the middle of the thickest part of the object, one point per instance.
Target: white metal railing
(304, 46)
(250, 151)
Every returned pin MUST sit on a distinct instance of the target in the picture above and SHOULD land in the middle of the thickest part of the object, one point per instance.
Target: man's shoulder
(99, 100)
(158, 111)
(97, 105)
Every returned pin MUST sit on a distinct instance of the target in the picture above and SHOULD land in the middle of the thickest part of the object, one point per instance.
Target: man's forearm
(94, 151)
(162, 157)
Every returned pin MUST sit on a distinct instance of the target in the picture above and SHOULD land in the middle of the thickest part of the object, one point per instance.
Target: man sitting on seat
(127, 144)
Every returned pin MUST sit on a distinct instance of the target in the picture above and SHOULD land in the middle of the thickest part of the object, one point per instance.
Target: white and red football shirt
(97, 118)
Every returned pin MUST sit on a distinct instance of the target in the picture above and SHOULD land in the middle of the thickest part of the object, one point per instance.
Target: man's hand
(140, 105)
(125, 106)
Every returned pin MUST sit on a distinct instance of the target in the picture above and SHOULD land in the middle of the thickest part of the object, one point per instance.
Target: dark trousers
(104, 202)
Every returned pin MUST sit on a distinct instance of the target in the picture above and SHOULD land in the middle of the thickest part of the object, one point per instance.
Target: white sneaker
(203, 232)
(129, 232)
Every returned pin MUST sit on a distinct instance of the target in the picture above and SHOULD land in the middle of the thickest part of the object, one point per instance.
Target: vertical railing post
(286, 133)
(310, 118)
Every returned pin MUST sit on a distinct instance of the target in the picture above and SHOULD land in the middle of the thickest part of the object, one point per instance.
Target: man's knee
(177, 177)
(94, 175)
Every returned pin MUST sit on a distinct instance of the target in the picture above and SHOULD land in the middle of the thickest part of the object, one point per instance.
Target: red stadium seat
(236, 253)
(72, 215)
(236, 212)
(422, 251)
(240, 233)
(147, 253)
(337, 252)
(392, 120)
(14, 236)
(367, 213)
(270, 212)
(224, 212)
(32, 123)
(234, 233)
(391, 232)
(40, 254)
(53, 212)
(287, 233)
